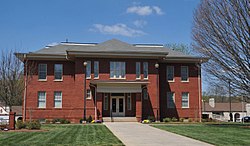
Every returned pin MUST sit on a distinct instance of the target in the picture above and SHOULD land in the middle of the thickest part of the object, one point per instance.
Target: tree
(180, 47)
(221, 31)
(11, 79)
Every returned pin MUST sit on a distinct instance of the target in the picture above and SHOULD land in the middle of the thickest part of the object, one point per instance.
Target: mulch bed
(25, 130)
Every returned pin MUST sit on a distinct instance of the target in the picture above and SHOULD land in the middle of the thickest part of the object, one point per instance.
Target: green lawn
(62, 135)
(217, 134)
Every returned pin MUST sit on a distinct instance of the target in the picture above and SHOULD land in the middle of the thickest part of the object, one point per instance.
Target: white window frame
(96, 69)
(185, 100)
(41, 100)
(59, 99)
(56, 71)
(138, 70)
(168, 72)
(88, 70)
(105, 103)
(129, 102)
(39, 71)
(88, 94)
(169, 105)
(145, 70)
(121, 70)
(187, 74)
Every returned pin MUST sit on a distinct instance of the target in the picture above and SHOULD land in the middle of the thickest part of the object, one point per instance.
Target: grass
(216, 134)
(60, 135)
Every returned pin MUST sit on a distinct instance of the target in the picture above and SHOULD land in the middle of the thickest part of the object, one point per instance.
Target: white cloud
(158, 10)
(117, 29)
(140, 23)
(144, 10)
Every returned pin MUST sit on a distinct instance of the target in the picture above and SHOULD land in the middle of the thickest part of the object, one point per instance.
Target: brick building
(122, 80)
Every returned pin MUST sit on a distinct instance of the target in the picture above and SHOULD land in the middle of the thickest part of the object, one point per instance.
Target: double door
(118, 106)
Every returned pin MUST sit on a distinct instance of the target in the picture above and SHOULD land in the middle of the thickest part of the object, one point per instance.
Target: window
(58, 99)
(138, 70)
(88, 70)
(42, 71)
(105, 106)
(117, 70)
(96, 69)
(145, 94)
(145, 70)
(58, 71)
(129, 101)
(89, 95)
(184, 73)
(170, 100)
(185, 100)
(170, 73)
(41, 99)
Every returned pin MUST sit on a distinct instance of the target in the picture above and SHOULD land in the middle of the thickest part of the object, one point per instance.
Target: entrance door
(118, 106)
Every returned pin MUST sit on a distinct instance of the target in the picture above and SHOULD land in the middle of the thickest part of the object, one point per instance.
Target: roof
(224, 107)
(111, 47)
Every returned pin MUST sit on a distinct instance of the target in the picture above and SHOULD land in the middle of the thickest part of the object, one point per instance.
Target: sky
(29, 25)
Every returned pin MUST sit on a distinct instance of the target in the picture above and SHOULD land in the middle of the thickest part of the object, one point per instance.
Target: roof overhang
(169, 59)
(35, 56)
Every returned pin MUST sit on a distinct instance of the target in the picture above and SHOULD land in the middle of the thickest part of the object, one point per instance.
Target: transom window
(185, 100)
(58, 71)
(145, 70)
(184, 73)
(41, 99)
(57, 99)
(170, 100)
(117, 70)
(170, 73)
(42, 71)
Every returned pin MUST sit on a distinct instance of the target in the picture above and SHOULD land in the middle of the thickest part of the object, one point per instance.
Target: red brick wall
(73, 84)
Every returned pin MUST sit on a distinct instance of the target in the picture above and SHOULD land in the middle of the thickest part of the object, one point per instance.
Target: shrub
(190, 120)
(151, 118)
(166, 120)
(81, 120)
(204, 120)
(64, 121)
(20, 124)
(35, 124)
(181, 119)
(174, 119)
(55, 121)
(47, 121)
(89, 119)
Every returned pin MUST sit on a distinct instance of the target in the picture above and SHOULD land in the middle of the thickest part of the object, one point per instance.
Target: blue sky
(30, 25)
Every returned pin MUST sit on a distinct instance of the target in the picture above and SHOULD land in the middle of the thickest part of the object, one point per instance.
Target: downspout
(95, 102)
(25, 87)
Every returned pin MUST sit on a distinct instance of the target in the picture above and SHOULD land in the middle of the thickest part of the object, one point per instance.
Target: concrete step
(119, 119)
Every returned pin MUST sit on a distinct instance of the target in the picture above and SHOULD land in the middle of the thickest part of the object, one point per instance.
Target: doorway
(117, 106)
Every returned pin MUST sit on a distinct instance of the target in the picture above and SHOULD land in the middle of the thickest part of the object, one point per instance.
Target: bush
(64, 121)
(181, 119)
(20, 124)
(151, 118)
(190, 120)
(174, 119)
(204, 120)
(55, 121)
(35, 124)
(166, 120)
(81, 120)
(47, 121)
(89, 119)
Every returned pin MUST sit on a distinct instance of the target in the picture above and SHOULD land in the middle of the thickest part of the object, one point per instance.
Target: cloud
(117, 29)
(144, 10)
(140, 23)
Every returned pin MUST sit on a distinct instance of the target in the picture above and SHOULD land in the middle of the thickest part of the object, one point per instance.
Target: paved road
(137, 134)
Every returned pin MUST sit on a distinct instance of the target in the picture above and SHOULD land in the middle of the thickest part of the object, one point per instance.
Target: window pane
(96, 69)
(58, 71)
(170, 100)
(41, 99)
(88, 69)
(145, 70)
(58, 99)
(88, 94)
(170, 73)
(185, 99)
(117, 70)
(184, 73)
(129, 102)
(145, 93)
(105, 101)
(42, 71)
(138, 70)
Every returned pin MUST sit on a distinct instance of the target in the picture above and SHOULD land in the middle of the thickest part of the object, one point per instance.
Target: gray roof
(111, 46)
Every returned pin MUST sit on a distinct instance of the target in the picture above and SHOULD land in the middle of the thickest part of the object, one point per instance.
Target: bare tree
(184, 48)
(11, 79)
(221, 31)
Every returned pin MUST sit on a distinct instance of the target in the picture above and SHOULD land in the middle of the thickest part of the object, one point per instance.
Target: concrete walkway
(137, 134)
